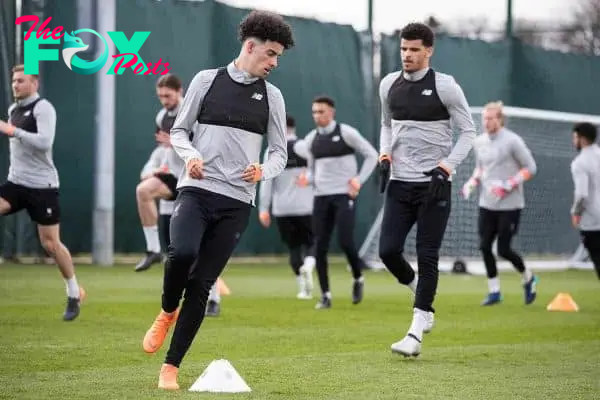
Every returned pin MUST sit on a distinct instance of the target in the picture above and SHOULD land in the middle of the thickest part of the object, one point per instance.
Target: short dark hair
(587, 131)
(418, 31)
(324, 99)
(265, 25)
(290, 121)
(21, 68)
(169, 81)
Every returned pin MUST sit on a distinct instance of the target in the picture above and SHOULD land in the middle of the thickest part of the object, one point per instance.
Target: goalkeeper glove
(469, 187)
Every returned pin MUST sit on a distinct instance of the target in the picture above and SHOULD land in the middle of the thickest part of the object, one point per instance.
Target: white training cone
(220, 377)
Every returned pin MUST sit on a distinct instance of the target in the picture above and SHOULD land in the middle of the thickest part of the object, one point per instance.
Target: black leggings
(504, 225)
(334, 211)
(591, 241)
(407, 203)
(296, 232)
(205, 227)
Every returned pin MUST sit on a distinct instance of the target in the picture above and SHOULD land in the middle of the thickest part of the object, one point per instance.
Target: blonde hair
(21, 68)
(498, 107)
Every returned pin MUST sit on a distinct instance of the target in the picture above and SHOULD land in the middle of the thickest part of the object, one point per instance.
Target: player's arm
(455, 101)
(302, 148)
(525, 159)
(385, 136)
(187, 116)
(276, 158)
(265, 197)
(43, 139)
(474, 180)
(154, 162)
(581, 182)
(355, 140)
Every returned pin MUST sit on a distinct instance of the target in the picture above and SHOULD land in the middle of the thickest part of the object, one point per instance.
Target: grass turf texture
(285, 349)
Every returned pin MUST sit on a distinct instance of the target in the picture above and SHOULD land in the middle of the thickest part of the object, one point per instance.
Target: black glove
(384, 173)
(439, 183)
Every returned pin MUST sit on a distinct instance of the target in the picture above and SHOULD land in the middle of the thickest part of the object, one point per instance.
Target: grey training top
(330, 175)
(227, 151)
(499, 157)
(419, 146)
(31, 162)
(585, 170)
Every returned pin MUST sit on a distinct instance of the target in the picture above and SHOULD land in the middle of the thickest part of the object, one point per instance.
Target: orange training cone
(222, 287)
(563, 302)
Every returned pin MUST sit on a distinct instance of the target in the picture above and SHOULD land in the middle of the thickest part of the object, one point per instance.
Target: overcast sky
(393, 14)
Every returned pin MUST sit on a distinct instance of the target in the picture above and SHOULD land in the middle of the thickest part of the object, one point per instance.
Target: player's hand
(7, 129)
(195, 168)
(252, 173)
(439, 183)
(163, 137)
(384, 171)
(265, 218)
(302, 180)
(353, 188)
(468, 188)
(161, 170)
(576, 220)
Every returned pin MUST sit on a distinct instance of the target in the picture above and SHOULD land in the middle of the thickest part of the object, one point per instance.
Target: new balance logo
(427, 92)
(257, 96)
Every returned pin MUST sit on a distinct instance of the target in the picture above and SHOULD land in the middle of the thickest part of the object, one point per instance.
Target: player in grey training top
(33, 182)
(235, 108)
(160, 182)
(585, 169)
(503, 163)
(292, 207)
(331, 153)
(418, 106)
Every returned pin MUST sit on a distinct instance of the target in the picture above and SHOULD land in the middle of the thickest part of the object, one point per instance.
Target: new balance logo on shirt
(257, 96)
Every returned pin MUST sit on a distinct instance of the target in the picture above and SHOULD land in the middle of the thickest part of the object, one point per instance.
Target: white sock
(494, 285)
(418, 324)
(527, 275)
(413, 285)
(214, 294)
(72, 288)
(152, 239)
(360, 279)
(301, 281)
(328, 295)
(309, 262)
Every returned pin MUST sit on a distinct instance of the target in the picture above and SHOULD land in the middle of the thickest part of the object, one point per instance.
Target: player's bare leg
(147, 192)
(4, 206)
(50, 239)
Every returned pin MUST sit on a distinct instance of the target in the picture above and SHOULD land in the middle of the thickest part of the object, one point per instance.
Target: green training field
(285, 349)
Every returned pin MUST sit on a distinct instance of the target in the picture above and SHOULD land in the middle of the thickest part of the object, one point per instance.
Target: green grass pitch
(285, 349)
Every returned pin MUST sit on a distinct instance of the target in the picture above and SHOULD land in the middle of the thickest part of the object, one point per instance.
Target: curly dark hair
(265, 25)
(416, 31)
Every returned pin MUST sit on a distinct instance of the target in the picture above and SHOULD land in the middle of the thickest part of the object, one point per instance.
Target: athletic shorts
(42, 205)
(171, 181)
(295, 230)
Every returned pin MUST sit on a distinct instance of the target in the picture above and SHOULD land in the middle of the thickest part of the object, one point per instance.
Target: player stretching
(33, 182)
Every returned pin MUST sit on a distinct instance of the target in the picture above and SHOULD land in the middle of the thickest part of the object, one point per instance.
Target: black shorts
(171, 181)
(296, 230)
(498, 222)
(42, 205)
